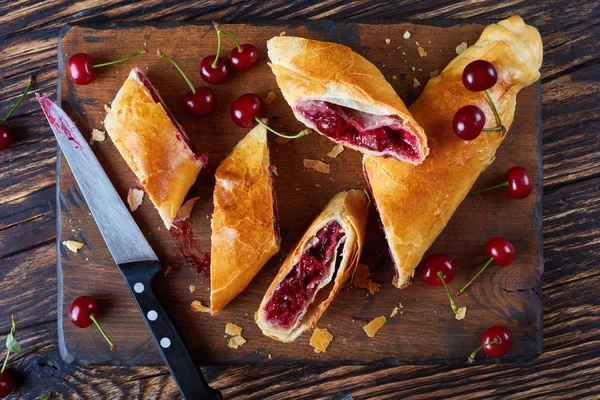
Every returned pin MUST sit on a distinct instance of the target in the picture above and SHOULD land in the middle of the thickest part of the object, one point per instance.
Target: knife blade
(130, 249)
(123, 237)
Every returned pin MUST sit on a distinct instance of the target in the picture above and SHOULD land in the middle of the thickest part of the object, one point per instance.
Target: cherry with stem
(199, 101)
(518, 183)
(439, 270)
(496, 341)
(501, 251)
(12, 346)
(6, 135)
(82, 69)
(249, 109)
(83, 312)
(241, 57)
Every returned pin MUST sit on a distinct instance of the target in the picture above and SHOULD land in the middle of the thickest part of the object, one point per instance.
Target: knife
(129, 248)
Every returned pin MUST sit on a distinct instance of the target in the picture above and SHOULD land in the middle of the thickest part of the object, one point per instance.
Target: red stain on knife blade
(58, 121)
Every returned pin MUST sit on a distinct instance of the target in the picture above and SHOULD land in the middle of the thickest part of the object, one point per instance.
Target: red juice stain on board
(187, 247)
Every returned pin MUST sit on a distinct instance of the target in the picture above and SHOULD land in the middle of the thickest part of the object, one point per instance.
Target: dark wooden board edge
(313, 24)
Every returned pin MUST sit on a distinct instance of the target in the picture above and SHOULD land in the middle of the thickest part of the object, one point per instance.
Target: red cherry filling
(382, 134)
(298, 289)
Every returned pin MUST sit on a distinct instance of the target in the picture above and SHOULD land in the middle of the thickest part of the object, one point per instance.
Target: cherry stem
(214, 64)
(167, 57)
(452, 303)
(500, 126)
(5, 362)
(504, 184)
(29, 84)
(137, 53)
(474, 353)
(475, 277)
(283, 135)
(237, 44)
(112, 345)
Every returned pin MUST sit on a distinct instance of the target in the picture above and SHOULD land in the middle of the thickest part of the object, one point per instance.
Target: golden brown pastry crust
(350, 209)
(416, 203)
(309, 69)
(152, 146)
(244, 235)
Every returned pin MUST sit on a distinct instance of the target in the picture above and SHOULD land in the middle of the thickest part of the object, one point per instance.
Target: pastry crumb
(282, 33)
(413, 69)
(344, 340)
(417, 43)
(337, 149)
(232, 329)
(317, 165)
(373, 287)
(270, 356)
(135, 197)
(461, 313)
(73, 245)
(388, 41)
(406, 35)
(374, 326)
(192, 288)
(168, 270)
(416, 83)
(97, 136)
(361, 276)
(394, 77)
(320, 340)
(197, 306)
(235, 342)
(394, 312)
(422, 52)
(186, 209)
(106, 108)
(433, 74)
(270, 97)
(461, 47)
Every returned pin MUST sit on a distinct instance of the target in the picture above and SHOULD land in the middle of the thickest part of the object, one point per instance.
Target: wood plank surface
(424, 331)
(569, 366)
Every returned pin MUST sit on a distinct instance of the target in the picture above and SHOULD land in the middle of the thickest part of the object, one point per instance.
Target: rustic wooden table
(570, 365)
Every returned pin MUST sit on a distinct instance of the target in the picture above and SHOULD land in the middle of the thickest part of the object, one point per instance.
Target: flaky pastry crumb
(320, 340)
(73, 245)
(197, 306)
(233, 329)
(135, 197)
(337, 149)
(372, 327)
(317, 165)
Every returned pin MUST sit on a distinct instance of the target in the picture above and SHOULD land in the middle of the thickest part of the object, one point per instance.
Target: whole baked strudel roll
(316, 269)
(416, 202)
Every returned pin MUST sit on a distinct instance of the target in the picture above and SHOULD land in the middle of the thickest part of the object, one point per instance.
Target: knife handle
(187, 375)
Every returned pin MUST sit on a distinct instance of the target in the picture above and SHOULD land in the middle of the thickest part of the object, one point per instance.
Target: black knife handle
(189, 378)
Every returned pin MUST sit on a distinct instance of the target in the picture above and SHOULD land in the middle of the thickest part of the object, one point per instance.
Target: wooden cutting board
(423, 331)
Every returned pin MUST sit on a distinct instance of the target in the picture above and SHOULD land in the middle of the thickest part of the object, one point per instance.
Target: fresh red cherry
(214, 71)
(6, 137)
(468, 122)
(495, 342)
(81, 67)
(199, 101)
(6, 384)
(438, 263)
(439, 270)
(248, 109)
(500, 250)
(479, 75)
(519, 183)
(244, 57)
(83, 313)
